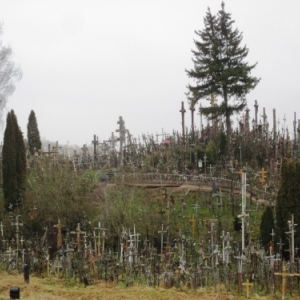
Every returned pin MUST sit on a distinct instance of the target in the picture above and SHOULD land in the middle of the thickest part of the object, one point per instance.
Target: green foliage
(33, 134)
(13, 163)
(56, 192)
(220, 68)
(237, 224)
(287, 202)
(266, 226)
(222, 143)
(211, 152)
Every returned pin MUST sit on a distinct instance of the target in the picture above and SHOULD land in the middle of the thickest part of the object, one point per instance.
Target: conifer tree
(287, 202)
(13, 163)
(33, 134)
(266, 226)
(220, 68)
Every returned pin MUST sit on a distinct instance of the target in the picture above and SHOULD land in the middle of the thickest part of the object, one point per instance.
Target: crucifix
(78, 240)
(262, 173)
(17, 224)
(182, 121)
(192, 108)
(240, 270)
(243, 214)
(59, 235)
(291, 232)
(248, 285)
(284, 275)
(95, 142)
(256, 110)
(122, 132)
(162, 231)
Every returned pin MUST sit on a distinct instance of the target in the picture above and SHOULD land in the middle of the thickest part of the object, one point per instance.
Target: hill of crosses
(205, 212)
(194, 211)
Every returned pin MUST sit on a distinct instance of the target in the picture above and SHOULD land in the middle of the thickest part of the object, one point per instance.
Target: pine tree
(287, 202)
(33, 134)
(219, 67)
(13, 163)
(266, 226)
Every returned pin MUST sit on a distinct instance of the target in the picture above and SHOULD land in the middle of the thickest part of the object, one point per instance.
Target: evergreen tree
(220, 68)
(9, 170)
(287, 202)
(21, 163)
(13, 163)
(266, 226)
(33, 134)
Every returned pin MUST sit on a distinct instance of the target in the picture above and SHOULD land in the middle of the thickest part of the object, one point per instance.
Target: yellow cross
(263, 173)
(247, 284)
(284, 275)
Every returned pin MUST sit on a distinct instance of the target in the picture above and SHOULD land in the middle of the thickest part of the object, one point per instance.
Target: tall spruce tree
(266, 226)
(33, 134)
(220, 68)
(287, 202)
(13, 163)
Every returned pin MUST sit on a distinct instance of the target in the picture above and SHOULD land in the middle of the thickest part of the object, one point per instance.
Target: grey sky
(85, 63)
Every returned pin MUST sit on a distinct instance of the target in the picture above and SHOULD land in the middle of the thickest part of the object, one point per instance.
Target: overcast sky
(85, 63)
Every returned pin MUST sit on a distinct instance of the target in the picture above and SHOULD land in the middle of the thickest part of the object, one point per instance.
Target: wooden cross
(284, 275)
(162, 231)
(59, 235)
(78, 240)
(263, 173)
(247, 284)
(182, 123)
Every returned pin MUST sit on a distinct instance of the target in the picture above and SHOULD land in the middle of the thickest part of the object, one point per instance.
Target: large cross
(182, 117)
(59, 235)
(284, 275)
(162, 231)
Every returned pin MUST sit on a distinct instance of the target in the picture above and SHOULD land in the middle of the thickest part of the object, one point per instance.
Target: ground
(51, 288)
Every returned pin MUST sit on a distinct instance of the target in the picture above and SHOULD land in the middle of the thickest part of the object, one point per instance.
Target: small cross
(248, 285)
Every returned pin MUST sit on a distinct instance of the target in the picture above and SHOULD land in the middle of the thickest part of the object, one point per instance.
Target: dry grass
(53, 289)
